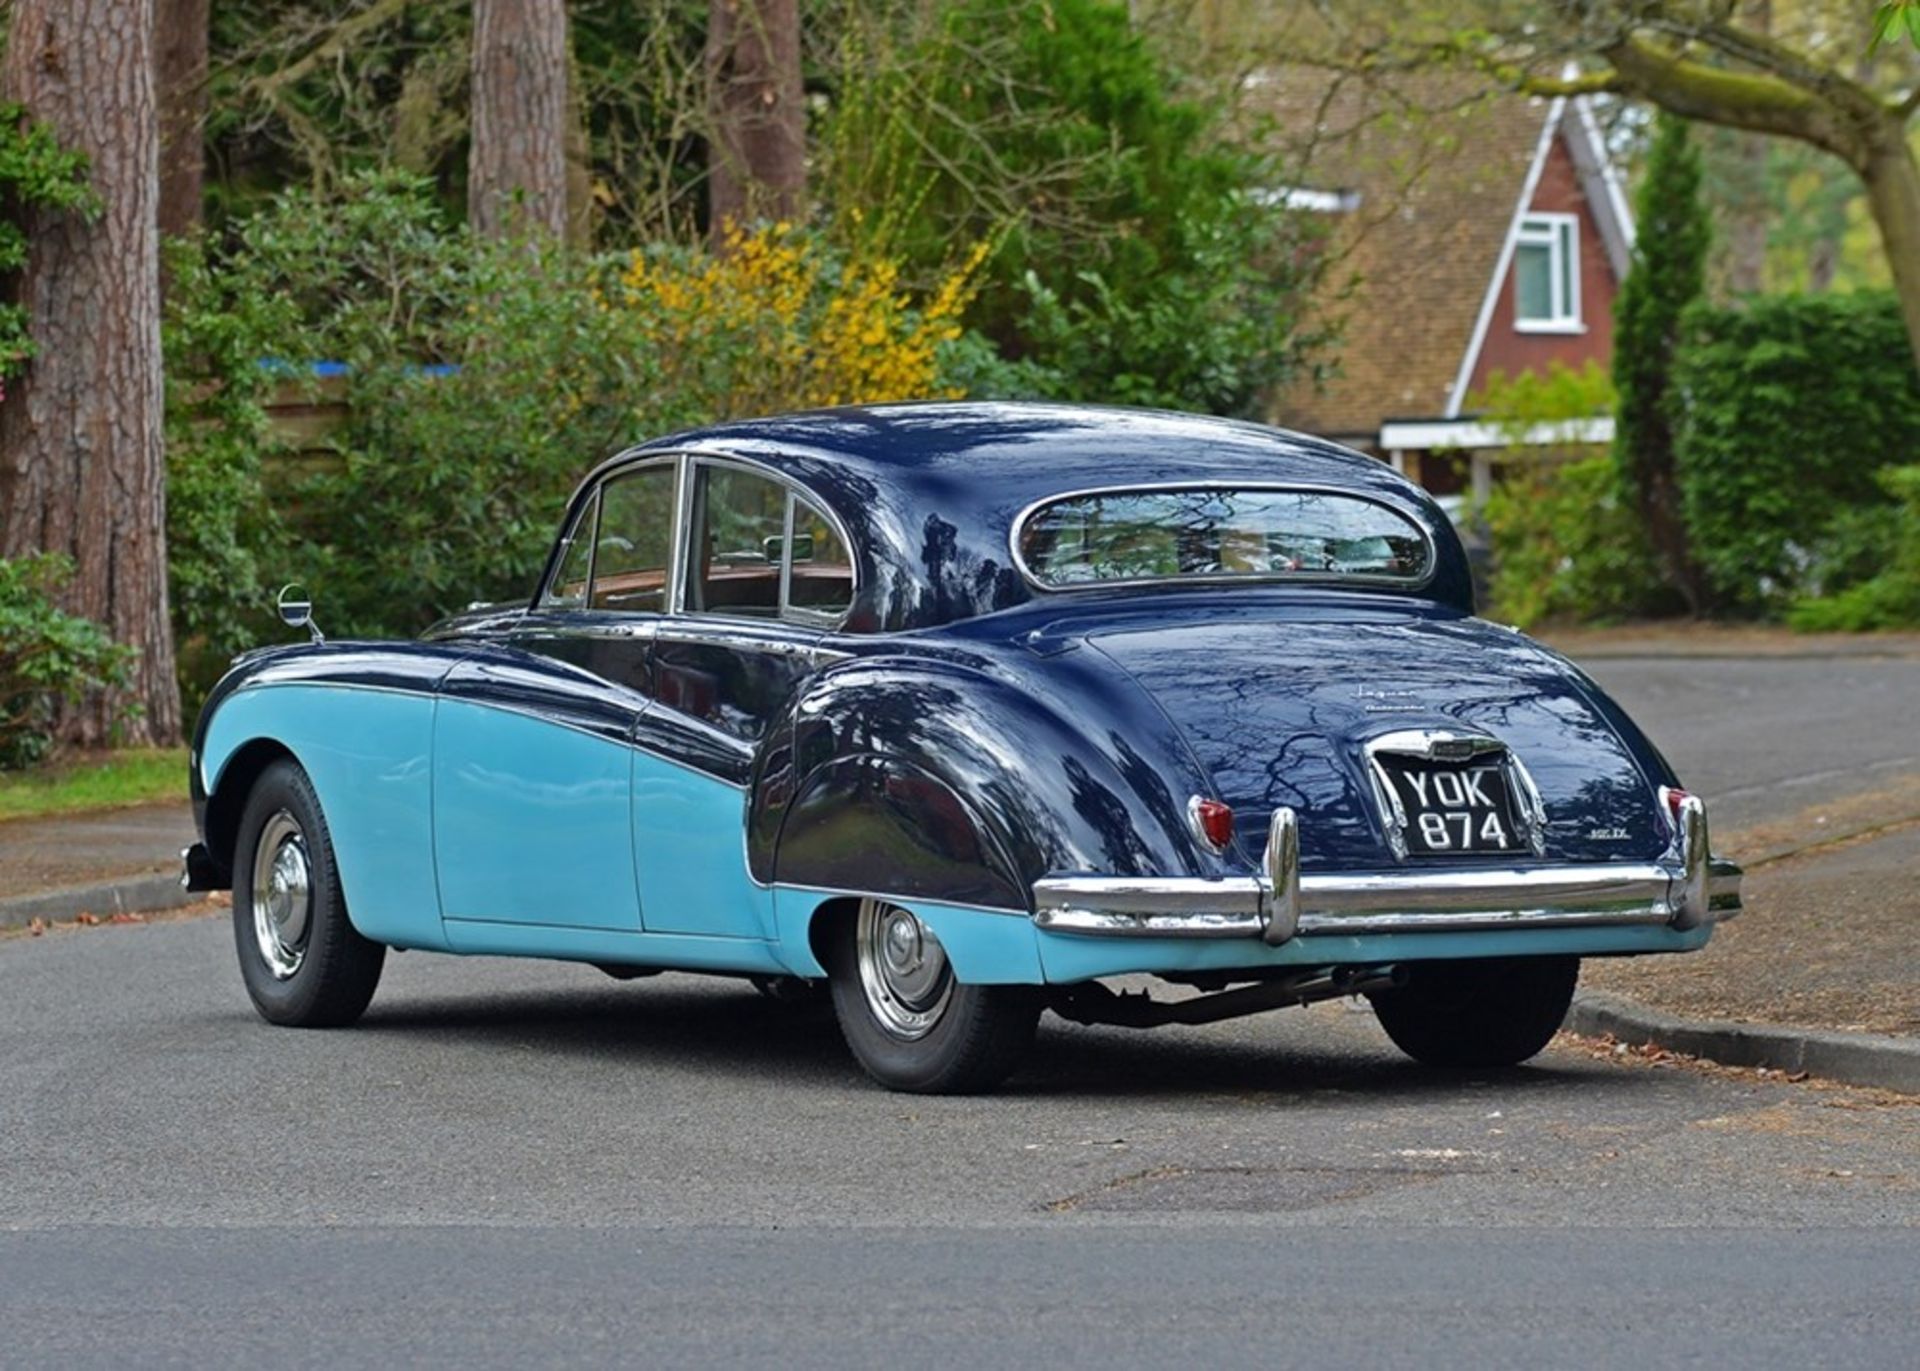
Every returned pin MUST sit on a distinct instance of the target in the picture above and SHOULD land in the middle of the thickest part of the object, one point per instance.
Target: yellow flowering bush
(781, 321)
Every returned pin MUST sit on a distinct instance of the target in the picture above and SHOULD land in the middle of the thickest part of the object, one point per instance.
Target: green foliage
(479, 381)
(1667, 275)
(1892, 18)
(219, 519)
(1517, 405)
(1566, 543)
(1134, 263)
(47, 657)
(1890, 597)
(36, 174)
(1790, 406)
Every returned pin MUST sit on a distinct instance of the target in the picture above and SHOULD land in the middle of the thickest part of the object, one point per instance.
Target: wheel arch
(227, 799)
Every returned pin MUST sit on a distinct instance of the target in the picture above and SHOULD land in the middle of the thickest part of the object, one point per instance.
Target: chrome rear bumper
(1685, 889)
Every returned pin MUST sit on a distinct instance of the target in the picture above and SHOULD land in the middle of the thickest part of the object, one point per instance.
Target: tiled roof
(1438, 167)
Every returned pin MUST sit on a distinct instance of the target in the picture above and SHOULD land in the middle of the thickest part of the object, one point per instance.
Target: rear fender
(939, 781)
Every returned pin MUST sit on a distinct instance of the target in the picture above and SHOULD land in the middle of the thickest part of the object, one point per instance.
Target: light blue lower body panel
(1066, 958)
(532, 821)
(986, 947)
(367, 753)
(690, 852)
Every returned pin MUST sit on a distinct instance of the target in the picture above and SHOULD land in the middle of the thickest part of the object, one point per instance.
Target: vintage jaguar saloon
(959, 711)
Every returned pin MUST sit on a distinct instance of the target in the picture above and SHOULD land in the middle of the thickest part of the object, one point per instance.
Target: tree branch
(343, 35)
(1585, 83)
(1758, 102)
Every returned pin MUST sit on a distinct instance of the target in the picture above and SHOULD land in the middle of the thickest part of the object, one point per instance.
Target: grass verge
(105, 780)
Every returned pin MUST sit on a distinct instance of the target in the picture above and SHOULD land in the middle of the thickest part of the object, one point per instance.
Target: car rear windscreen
(1220, 533)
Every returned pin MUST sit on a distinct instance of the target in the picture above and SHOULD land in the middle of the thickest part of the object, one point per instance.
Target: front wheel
(908, 1022)
(304, 964)
(1478, 1013)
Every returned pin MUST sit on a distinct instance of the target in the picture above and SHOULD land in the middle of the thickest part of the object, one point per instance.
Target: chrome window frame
(1237, 578)
(545, 599)
(598, 495)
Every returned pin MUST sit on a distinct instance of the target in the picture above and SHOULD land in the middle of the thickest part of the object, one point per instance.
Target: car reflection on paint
(952, 714)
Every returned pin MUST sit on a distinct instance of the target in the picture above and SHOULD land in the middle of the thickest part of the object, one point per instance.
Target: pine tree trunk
(757, 154)
(82, 466)
(517, 169)
(180, 94)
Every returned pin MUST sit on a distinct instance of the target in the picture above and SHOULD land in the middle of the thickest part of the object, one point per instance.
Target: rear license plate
(1454, 809)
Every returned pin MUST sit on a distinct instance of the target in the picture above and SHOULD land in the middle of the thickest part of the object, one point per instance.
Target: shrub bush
(1568, 544)
(1786, 410)
(481, 381)
(1564, 532)
(47, 657)
(1889, 597)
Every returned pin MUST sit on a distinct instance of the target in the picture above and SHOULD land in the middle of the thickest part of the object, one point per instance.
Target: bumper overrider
(1685, 889)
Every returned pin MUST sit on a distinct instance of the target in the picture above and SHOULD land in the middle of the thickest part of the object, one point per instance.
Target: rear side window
(761, 551)
(1213, 533)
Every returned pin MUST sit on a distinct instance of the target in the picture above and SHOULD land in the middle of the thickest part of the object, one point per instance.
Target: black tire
(977, 1037)
(323, 976)
(1478, 1014)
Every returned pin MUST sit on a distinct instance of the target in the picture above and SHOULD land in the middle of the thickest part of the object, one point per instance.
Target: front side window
(1220, 534)
(633, 546)
(1546, 273)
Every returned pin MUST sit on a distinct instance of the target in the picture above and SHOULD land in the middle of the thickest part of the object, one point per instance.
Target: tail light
(1672, 797)
(1212, 822)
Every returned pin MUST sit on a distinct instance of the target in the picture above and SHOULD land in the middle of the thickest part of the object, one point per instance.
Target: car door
(765, 575)
(533, 759)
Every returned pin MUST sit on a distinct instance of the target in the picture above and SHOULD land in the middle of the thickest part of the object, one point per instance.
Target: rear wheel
(1478, 1013)
(908, 1022)
(304, 964)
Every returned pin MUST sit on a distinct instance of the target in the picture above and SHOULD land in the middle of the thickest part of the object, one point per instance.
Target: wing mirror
(296, 609)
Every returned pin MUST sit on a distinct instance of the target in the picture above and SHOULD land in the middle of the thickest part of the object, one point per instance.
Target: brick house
(1487, 236)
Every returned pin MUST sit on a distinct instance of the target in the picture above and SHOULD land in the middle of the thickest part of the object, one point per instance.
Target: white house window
(1546, 274)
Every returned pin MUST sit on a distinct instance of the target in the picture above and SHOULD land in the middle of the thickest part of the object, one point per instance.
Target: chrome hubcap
(903, 970)
(282, 895)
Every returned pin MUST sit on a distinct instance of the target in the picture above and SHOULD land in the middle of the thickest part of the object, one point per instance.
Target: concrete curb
(1856, 1058)
(132, 894)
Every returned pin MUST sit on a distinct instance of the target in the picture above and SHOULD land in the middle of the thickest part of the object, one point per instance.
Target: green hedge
(1786, 410)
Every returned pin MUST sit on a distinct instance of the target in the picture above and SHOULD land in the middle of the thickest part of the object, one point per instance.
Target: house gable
(1512, 346)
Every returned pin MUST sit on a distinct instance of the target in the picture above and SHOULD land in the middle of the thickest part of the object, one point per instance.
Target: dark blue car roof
(932, 490)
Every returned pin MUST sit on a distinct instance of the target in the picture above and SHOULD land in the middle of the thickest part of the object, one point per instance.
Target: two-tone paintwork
(691, 790)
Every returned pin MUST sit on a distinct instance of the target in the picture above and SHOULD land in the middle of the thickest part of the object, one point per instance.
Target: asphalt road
(513, 1162)
(521, 1162)
(1765, 737)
